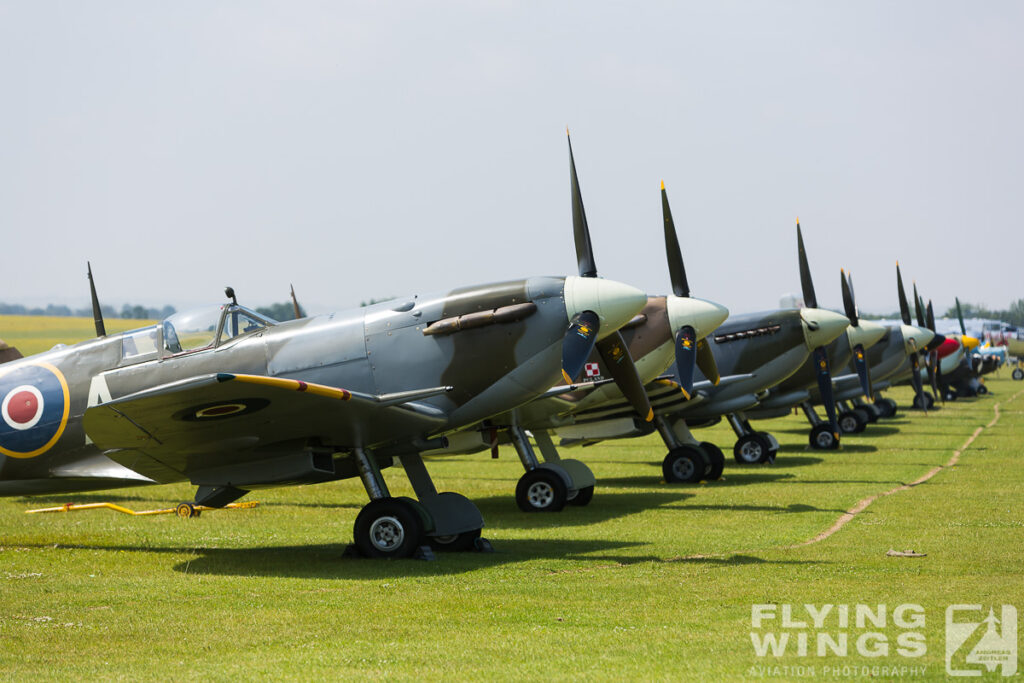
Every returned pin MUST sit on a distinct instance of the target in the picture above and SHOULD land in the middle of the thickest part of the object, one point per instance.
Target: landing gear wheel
(456, 543)
(1018, 374)
(951, 394)
(388, 528)
(541, 490)
(851, 422)
(716, 458)
(582, 497)
(886, 407)
(982, 390)
(751, 449)
(871, 413)
(685, 464)
(822, 438)
(924, 402)
(187, 510)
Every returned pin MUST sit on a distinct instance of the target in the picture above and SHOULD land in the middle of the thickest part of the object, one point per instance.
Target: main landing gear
(924, 401)
(886, 407)
(751, 447)
(821, 437)
(550, 485)
(402, 527)
(687, 460)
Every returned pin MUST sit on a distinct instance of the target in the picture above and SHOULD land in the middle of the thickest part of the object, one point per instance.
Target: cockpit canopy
(209, 327)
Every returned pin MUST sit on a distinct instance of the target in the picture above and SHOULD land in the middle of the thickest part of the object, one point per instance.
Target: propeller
(915, 364)
(97, 314)
(581, 337)
(850, 308)
(689, 352)
(934, 370)
(960, 316)
(820, 355)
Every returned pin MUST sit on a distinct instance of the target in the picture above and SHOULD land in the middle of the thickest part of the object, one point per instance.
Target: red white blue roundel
(34, 406)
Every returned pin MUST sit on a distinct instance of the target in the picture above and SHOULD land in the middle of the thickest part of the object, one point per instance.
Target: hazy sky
(365, 149)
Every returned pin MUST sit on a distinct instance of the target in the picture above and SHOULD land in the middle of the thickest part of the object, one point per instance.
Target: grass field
(37, 333)
(650, 581)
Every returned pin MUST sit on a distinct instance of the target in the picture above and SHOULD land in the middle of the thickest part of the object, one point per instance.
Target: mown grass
(614, 590)
(32, 334)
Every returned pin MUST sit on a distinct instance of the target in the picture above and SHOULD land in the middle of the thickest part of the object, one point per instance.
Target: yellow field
(37, 333)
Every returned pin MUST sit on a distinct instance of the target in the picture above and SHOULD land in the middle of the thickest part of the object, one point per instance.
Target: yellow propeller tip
(663, 184)
(798, 220)
(566, 377)
(685, 393)
(650, 415)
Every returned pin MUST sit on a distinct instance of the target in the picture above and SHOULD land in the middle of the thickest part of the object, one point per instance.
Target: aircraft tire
(187, 510)
(1018, 374)
(924, 402)
(456, 543)
(751, 449)
(717, 459)
(871, 413)
(886, 407)
(541, 490)
(982, 390)
(851, 422)
(822, 438)
(388, 528)
(583, 496)
(685, 464)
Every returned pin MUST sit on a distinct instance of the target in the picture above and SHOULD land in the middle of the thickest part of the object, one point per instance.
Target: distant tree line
(127, 311)
(1013, 315)
(281, 311)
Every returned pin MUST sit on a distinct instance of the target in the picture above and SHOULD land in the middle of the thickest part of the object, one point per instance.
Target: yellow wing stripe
(292, 385)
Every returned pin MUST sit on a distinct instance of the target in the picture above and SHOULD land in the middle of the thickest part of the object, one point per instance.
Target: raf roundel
(34, 407)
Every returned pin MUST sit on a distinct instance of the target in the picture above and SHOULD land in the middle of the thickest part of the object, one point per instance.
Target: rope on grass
(861, 505)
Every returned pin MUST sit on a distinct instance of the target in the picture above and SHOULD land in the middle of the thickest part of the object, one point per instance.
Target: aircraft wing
(228, 419)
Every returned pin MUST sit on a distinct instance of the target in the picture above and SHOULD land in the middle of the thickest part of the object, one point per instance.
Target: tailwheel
(581, 497)
(455, 543)
(388, 528)
(541, 490)
(187, 510)
(686, 463)
(982, 390)
(822, 438)
(751, 449)
(716, 460)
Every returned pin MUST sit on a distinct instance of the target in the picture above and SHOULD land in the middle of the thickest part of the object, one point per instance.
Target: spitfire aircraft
(745, 356)
(808, 386)
(231, 401)
(669, 327)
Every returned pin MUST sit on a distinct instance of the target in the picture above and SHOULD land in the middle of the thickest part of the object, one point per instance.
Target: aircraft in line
(231, 401)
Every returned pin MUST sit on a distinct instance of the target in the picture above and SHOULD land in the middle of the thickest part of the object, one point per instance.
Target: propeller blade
(810, 299)
(863, 370)
(707, 363)
(904, 306)
(578, 343)
(97, 314)
(825, 387)
(619, 363)
(933, 364)
(686, 358)
(918, 307)
(680, 287)
(581, 233)
(960, 316)
(930, 312)
(295, 303)
(849, 307)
